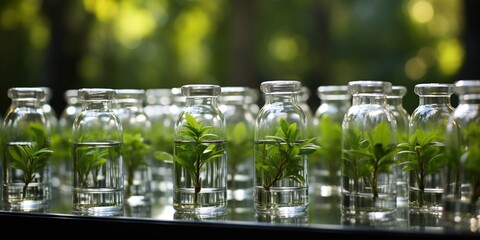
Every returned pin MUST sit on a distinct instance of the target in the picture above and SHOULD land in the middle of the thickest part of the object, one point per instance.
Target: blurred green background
(64, 44)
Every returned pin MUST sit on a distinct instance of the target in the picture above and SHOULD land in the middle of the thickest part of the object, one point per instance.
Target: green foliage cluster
(135, 156)
(194, 153)
(88, 160)
(283, 156)
(239, 146)
(330, 142)
(366, 158)
(425, 156)
(467, 153)
(33, 158)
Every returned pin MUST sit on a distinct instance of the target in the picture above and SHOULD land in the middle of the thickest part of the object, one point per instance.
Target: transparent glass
(200, 153)
(426, 147)
(97, 137)
(280, 179)
(137, 151)
(402, 117)
(324, 165)
(234, 103)
(159, 102)
(26, 160)
(368, 141)
(461, 204)
(64, 149)
(302, 100)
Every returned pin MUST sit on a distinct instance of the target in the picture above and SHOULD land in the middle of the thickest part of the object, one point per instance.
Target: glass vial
(281, 151)
(65, 121)
(402, 117)
(234, 103)
(97, 137)
(200, 155)
(426, 147)
(461, 204)
(158, 108)
(324, 165)
(26, 182)
(137, 151)
(368, 142)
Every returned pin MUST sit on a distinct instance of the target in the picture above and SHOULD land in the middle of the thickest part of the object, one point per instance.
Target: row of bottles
(203, 146)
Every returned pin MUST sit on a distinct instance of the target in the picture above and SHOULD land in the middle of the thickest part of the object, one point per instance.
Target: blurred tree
(158, 44)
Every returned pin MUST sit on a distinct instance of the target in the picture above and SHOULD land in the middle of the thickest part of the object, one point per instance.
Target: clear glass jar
(461, 204)
(97, 137)
(426, 147)
(137, 151)
(200, 153)
(281, 174)
(240, 120)
(302, 100)
(55, 142)
(64, 145)
(26, 181)
(368, 142)
(324, 165)
(402, 117)
(158, 108)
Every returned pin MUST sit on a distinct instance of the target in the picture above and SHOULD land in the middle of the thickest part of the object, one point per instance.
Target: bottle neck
(287, 97)
(369, 99)
(469, 99)
(397, 101)
(132, 105)
(441, 99)
(336, 102)
(26, 103)
(191, 101)
(100, 105)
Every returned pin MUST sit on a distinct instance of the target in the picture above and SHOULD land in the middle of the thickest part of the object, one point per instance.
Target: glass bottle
(368, 141)
(97, 136)
(302, 100)
(426, 147)
(461, 204)
(234, 104)
(200, 155)
(402, 117)
(137, 151)
(324, 166)
(56, 159)
(158, 106)
(281, 151)
(26, 133)
(65, 121)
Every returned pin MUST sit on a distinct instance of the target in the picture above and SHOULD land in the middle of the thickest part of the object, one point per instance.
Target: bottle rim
(280, 87)
(433, 89)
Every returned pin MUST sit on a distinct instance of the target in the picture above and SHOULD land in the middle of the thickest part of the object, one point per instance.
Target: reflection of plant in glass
(467, 153)
(31, 159)
(330, 151)
(425, 156)
(369, 157)
(239, 146)
(135, 157)
(282, 156)
(196, 149)
(88, 161)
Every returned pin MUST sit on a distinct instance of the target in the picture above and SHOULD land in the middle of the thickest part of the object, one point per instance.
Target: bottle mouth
(281, 86)
(200, 90)
(467, 87)
(26, 93)
(433, 89)
(95, 94)
(360, 87)
(334, 92)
